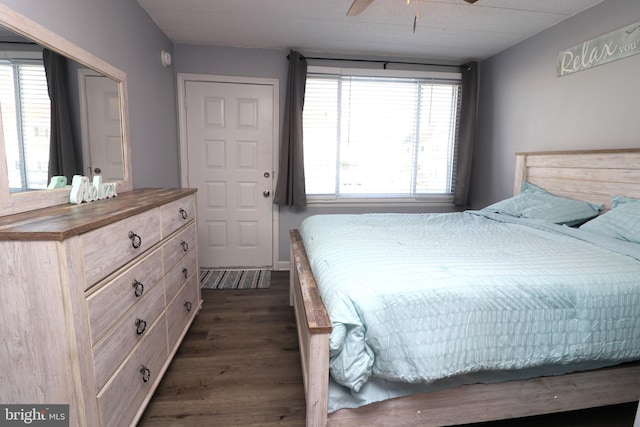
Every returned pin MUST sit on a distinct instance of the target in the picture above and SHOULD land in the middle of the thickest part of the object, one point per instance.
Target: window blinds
(367, 136)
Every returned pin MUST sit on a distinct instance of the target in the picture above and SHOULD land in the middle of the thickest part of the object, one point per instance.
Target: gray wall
(121, 33)
(525, 107)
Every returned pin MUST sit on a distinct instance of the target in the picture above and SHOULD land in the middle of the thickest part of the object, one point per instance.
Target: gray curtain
(62, 152)
(290, 188)
(467, 133)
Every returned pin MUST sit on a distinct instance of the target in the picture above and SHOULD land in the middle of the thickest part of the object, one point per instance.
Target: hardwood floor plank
(239, 365)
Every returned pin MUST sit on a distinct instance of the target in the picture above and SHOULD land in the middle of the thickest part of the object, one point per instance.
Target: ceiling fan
(358, 6)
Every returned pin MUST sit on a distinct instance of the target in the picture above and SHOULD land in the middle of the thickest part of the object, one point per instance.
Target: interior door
(102, 129)
(229, 130)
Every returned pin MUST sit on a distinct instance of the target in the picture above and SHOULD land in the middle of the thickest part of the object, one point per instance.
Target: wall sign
(609, 47)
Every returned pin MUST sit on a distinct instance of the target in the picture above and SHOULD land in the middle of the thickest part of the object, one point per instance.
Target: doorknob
(266, 193)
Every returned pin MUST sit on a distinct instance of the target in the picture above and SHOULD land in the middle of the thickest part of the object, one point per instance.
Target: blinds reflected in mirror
(26, 111)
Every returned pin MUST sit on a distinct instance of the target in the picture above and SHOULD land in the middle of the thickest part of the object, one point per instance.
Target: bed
(491, 390)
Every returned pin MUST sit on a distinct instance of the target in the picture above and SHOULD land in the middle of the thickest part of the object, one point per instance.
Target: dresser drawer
(177, 214)
(182, 309)
(179, 246)
(179, 274)
(109, 352)
(107, 305)
(121, 398)
(106, 249)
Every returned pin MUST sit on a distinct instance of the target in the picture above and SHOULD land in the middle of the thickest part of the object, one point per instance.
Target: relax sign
(606, 48)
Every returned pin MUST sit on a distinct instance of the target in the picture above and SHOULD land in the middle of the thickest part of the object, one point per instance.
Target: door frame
(183, 78)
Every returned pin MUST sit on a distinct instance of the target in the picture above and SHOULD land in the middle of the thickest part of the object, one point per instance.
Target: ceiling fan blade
(471, 1)
(358, 6)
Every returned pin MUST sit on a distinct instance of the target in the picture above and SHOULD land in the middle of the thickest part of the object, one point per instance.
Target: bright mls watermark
(34, 415)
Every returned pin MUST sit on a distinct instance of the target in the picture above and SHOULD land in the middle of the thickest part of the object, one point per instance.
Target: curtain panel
(467, 133)
(290, 188)
(62, 152)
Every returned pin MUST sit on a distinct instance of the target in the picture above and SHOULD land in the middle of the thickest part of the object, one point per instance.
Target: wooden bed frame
(592, 176)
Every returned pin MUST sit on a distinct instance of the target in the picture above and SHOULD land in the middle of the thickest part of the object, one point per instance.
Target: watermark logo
(34, 415)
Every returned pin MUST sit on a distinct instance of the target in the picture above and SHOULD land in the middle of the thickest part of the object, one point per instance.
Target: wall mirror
(96, 102)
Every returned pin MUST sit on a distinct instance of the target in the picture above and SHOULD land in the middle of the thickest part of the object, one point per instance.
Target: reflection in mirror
(59, 117)
(101, 130)
(25, 112)
(95, 138)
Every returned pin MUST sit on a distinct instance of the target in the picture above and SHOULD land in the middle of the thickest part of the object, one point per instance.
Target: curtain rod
(379, 61)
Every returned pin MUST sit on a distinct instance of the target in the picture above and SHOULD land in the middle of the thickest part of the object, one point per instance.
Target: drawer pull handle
(187, 305)
(184, 214)
(185, 246)
(146, 374)
(185, 272)
(141, 325)
(139, 288)
(136, 241)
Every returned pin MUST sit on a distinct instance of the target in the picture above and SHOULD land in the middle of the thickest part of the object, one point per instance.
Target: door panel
(103, 128)
(229, 144)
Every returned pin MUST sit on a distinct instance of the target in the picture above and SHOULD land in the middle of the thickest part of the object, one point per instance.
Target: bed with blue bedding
(431, 299)
(528, 306)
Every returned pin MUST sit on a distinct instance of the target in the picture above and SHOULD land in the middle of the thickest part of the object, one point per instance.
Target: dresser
(95, 300)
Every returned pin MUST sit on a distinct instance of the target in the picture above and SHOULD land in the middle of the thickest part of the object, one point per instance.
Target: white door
(229, 132)
(101, 127)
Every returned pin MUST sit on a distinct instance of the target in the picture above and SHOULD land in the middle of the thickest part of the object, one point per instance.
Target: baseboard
(284, 266)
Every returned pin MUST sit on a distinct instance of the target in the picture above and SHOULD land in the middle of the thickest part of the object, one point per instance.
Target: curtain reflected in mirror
(62, 149)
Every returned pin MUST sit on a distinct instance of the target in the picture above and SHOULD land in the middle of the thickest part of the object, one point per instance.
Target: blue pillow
(621, 222)
(618, 200)
(535, 203)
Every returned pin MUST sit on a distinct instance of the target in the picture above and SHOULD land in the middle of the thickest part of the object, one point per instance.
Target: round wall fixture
(165, 57)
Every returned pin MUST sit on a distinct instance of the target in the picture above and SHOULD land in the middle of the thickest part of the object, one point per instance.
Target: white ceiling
(447, 30)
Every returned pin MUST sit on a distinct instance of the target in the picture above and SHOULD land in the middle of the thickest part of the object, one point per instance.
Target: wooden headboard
(589, 175)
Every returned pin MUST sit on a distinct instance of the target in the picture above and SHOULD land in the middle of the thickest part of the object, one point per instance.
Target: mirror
(97, 106)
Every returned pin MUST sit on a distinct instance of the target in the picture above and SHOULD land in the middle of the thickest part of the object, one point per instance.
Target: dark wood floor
(239, 366)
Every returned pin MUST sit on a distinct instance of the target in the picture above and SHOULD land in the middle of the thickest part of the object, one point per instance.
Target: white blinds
(26, 122)
(370, 136)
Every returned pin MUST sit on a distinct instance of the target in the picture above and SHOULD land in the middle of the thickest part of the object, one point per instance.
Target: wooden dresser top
(64, 221)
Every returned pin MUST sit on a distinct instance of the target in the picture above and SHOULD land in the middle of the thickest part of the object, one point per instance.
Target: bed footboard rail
(313, 327)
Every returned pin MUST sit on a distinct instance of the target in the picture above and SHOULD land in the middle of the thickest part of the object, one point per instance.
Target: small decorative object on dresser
(96, 299)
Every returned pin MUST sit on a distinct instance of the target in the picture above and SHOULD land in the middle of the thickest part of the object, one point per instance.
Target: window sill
(440, 201)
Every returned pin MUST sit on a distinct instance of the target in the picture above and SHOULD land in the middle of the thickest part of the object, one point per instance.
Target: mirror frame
(11, 203)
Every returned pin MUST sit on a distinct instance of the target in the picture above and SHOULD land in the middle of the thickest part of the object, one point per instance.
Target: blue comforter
(416, 298)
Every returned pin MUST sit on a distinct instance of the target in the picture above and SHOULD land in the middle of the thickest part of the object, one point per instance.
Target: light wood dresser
(95, 300)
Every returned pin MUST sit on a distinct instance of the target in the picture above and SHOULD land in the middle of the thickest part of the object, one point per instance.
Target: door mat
(234, 279)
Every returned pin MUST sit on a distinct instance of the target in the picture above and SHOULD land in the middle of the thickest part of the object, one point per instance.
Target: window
(26, 122)
(379, 136)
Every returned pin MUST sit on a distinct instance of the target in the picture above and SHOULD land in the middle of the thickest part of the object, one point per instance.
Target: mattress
(419, 299)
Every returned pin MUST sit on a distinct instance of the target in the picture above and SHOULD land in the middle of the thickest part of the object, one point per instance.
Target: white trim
(284, 266)
(439, 201)
(22, 55)
(183, 78)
